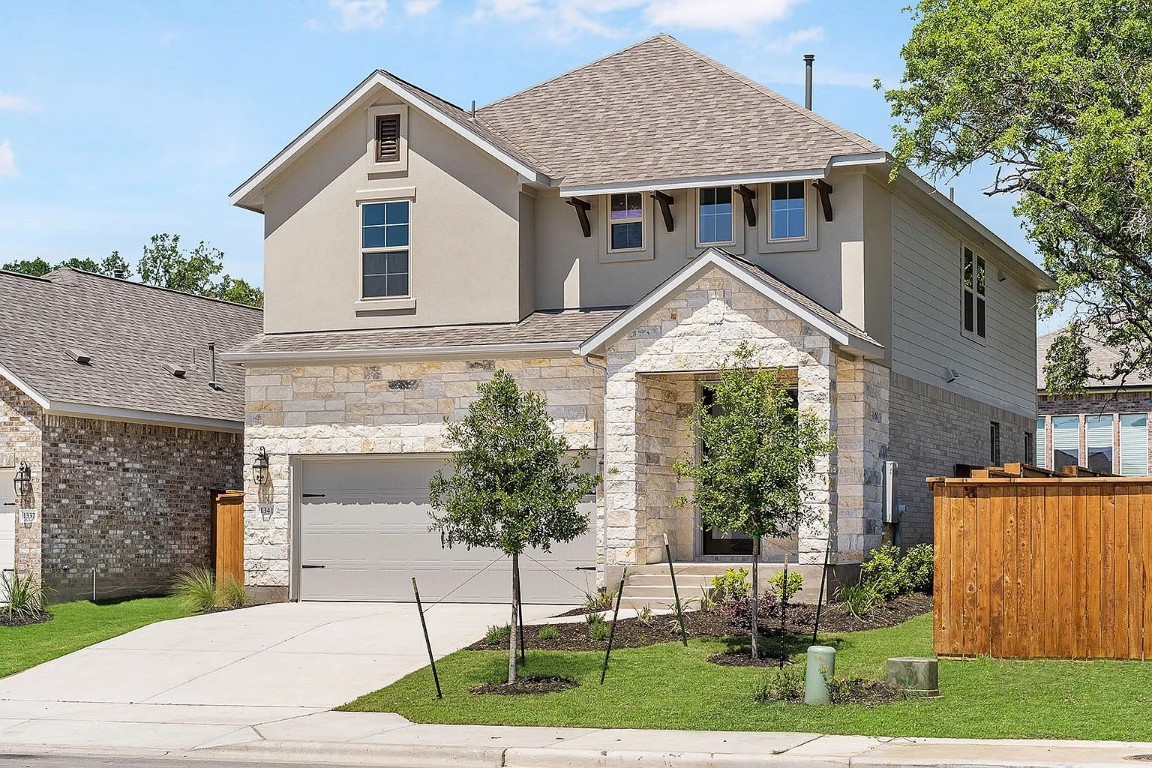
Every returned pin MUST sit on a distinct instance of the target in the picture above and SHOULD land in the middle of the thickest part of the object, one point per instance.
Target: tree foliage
(512, 484)
(760, 453)
(1057, 95)
(165, 264)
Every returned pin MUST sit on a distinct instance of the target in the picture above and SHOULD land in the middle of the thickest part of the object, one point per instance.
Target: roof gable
(660, 110)
(764, 282)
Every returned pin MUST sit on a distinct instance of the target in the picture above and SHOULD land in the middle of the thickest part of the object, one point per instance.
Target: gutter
(449, 351)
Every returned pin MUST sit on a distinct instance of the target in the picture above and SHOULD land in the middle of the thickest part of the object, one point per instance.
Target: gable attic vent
(388, 138)
(79, 356)
(175, 370)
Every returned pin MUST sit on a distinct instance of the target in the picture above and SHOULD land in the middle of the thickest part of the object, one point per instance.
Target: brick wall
(932, 430)
(132, 501)
(21, 421)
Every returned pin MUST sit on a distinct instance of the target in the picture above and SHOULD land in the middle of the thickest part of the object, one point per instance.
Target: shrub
(786, 590)
(232, 593)
(739, 612)
(195, 590)
(785, 684)
(860, 599)
(733, 585)
(890, 573)
(598, 628)
(603, 599)
(25, 599)
(645, 615)
(497, 634)
(548, 632)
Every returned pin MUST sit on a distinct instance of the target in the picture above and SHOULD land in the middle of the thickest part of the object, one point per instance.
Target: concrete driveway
(195, 681)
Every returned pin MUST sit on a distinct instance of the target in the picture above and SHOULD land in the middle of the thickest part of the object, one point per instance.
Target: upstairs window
(788, 217)
(626, 219)
(384, 242)
(388, 138)
(973, 297)
(715, 215)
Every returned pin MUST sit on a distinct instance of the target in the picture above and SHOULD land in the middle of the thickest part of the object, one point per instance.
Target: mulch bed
(21, 621)
(526, 685)
(741, 657)
(866, 692)
(632, 633)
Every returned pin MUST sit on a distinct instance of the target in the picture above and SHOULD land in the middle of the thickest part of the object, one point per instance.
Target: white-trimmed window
(626, 222)
(714, 221)
(974, 310)
(1098, 440)
(1065, 441)
(1134, 444)
(1042, 441)
(788, 217)
(384, 243)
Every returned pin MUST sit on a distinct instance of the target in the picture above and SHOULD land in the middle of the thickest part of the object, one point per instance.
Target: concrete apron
(224, 677)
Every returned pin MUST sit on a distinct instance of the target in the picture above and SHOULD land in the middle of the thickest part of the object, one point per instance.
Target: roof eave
(438, 352)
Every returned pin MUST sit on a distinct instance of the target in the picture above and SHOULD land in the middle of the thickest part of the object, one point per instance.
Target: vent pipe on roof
(118, 273)
(808, 59)
(212, 366)
(473, 109)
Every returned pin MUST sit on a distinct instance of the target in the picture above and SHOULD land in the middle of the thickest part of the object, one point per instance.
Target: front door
(718, 542)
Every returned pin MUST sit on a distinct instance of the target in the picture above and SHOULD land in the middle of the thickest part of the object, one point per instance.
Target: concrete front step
(651, 585)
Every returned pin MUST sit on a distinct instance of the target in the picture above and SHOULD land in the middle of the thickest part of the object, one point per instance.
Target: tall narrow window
(1029, 448)
(626, 215)
(1098, 438)
(716, 215)
(973, 298)
(1065, 441)
(1134, 444)
(994, 442)
(387, 138)
(1042, 441)
(788, 218)
(384, 243)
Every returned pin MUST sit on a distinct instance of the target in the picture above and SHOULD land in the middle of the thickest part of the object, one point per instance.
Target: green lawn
(668, 686)
(78, 625)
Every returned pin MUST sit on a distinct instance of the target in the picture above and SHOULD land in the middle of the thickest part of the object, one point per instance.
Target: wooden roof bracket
(824, 189)
(749, 196)
(582, 207)
(665, 201)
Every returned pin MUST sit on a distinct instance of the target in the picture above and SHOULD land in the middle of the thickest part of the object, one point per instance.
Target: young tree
(512, 485)
(1054, 94)
(759, 453)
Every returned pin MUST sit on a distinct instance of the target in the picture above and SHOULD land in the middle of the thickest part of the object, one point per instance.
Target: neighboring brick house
(608, 236)
(1103, 428)
(112, 435)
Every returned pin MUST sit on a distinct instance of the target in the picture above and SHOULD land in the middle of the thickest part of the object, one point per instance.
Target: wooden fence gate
(228, 527)
(1040, 565)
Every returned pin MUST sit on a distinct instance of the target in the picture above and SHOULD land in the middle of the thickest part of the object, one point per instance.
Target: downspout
(602, 465)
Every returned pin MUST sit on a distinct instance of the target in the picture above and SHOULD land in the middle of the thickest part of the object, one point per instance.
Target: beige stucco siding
(464, 257)
(926, 317)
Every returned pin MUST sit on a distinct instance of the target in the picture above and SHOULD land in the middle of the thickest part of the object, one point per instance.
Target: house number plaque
(27, 516)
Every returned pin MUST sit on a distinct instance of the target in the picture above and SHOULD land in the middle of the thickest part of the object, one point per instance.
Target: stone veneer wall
(384, 409)
(862, 442)
(696, 330)
(662, 437)
(132, 501)
(933, 430)
(21, 421)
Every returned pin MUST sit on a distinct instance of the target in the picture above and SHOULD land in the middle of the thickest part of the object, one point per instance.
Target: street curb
(382, 755)
(550, 757)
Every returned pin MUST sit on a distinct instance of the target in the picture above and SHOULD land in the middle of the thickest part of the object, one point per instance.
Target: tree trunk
(755, 597)
(512, 624)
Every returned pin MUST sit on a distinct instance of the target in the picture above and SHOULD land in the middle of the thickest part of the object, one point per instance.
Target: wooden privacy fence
(1032, 564)
(228, 536)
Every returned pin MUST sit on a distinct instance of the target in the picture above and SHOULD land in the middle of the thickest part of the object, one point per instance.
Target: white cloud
(793, 40)
(508, 10)
(7, 160)
(10, 103)
(360, 14)
(419, 7)
(722, 15)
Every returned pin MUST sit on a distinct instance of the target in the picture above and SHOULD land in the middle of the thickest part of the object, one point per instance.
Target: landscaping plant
(603, 599)
(598, 627)
(232, 593)
(547, 632)
(513, 485)
(497, 634)
(860, 599)
(23, 600)
(760, 460)
(890, 573)
(731, 585)
(786, 585)
(195, 590)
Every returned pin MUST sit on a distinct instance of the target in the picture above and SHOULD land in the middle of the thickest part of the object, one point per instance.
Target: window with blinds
(1134, 444)
(1042, 442)
(387, 138)
(1065, 441)
(1098, 438)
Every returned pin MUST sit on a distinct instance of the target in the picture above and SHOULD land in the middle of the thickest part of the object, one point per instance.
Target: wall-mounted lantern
(22, 483)
(260, 467)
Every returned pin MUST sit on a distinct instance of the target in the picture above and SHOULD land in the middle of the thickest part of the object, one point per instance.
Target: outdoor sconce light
(260, 467)
(22, 483)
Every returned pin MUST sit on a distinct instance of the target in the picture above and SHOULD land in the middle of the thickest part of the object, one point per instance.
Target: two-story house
(609, 236)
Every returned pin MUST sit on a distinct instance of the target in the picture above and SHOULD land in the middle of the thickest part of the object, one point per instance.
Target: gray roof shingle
(130, 331)
(544, 327)
(1101, 360)
(660, 110)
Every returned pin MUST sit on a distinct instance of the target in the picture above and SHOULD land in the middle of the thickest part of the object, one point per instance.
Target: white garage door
(7, 523)
(364, 535)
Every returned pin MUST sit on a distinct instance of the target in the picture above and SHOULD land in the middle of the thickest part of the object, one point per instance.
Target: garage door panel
(366, 520)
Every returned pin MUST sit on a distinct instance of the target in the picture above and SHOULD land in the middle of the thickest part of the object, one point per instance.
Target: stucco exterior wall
(21, 425)
(132, 501)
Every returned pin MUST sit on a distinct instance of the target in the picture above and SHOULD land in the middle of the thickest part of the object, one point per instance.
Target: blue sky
(121, 119)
